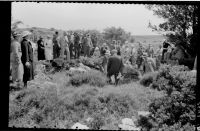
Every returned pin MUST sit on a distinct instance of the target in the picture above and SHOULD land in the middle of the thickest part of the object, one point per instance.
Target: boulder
(143, 113)
(79, 126)
(128, 124)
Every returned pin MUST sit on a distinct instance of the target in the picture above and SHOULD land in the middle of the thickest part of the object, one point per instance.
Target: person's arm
(24, 44)
(108, 65)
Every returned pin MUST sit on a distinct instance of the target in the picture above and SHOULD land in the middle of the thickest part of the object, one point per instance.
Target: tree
(15, 24)
(114, 33)
(180, 24)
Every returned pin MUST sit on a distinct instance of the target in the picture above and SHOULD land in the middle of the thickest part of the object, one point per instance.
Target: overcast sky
(133, 18)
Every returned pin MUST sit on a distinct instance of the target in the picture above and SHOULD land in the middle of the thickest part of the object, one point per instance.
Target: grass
(62, 105)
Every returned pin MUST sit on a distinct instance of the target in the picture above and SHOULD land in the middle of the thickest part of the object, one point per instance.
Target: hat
(144, 54)
(96, 49)
(104, 44)
(15, 34)
(25, 33)
(48, 36)
(107, 52)
(114, 51)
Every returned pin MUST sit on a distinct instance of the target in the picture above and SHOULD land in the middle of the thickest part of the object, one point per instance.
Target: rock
(128, 124)
(127, 127)
(79, 126)
(143, 113)
(128, 121)
(89, 119)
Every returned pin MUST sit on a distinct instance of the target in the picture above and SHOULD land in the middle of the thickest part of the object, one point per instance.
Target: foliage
(91, 62)
(129, 74)
(178, 104)
(148, 79)
(113, 33)
(49, 108)
(180, 23)
(92, 77)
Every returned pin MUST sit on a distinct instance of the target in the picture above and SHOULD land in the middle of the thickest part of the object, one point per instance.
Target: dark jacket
(27, 51)
(27, 56)
(41, 50)
(115, 65)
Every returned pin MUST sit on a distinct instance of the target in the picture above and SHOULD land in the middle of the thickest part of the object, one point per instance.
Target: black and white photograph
(103, 66)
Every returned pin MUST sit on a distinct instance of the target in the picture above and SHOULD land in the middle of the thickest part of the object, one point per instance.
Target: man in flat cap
(27, 57)
(115, 66)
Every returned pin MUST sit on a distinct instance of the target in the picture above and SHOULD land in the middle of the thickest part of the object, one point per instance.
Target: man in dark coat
(165, 47)
(56, 46)
(115, 66)
(77, 45)
(27, 58)
(41, 49)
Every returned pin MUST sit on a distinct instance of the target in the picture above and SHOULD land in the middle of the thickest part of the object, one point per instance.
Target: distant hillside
(155, 40)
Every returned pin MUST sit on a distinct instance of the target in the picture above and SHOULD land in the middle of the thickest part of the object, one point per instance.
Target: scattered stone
(79, 126)
(128, 121)
(128, 124)
(127, 127)
(143, 113)
(89, 119)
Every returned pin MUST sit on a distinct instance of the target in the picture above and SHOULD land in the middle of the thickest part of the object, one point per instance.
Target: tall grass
(61, 108)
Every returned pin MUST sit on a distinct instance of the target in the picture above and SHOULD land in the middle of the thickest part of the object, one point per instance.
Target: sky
(132, 18)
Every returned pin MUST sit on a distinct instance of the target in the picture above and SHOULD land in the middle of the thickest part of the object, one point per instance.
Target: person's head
(88, 35)
(107, 53)
(26, 34)
(48, 36)
(169, 49)
(114, 52)
(16, 36)
(114, 42)
(56, 32)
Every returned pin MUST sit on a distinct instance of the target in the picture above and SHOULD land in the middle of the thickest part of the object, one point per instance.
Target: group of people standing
(21, 58)
(72, 45)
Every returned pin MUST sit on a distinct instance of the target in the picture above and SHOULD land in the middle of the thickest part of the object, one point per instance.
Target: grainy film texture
(103, 66)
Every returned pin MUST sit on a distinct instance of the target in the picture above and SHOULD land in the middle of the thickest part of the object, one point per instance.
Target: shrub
(129, 74)
(148, 79)
(94, 63)
(94, 78)
(178, 105)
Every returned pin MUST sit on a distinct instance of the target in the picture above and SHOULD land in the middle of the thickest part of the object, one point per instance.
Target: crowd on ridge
(71, 46)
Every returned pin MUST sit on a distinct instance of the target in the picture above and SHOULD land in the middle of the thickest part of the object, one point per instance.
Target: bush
(94, 63)
(178, 105)
(148, 79)
(92, 77)
(129, 74)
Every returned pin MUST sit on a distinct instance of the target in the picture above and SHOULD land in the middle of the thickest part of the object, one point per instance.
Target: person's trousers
(71, 49)
(28, 73)
(77, 51)
(87, 51)
(56, 51)
(115, 75)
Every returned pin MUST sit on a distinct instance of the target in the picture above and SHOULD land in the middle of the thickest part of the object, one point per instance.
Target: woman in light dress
(16, 63)
(49, 49)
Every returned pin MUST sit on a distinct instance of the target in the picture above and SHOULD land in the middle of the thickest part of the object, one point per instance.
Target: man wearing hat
(105, 61)
(16, 63)
(103, 49)
(27, 57)
(76, 45)
(56, 45)
(87, 46)
(41, 49)
(49, 49)
(115, 66)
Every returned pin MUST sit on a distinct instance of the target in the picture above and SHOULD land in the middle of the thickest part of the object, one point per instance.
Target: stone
(128, 121)
(143, 113)
(89, 119)
(128, 127)
(79, 126)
